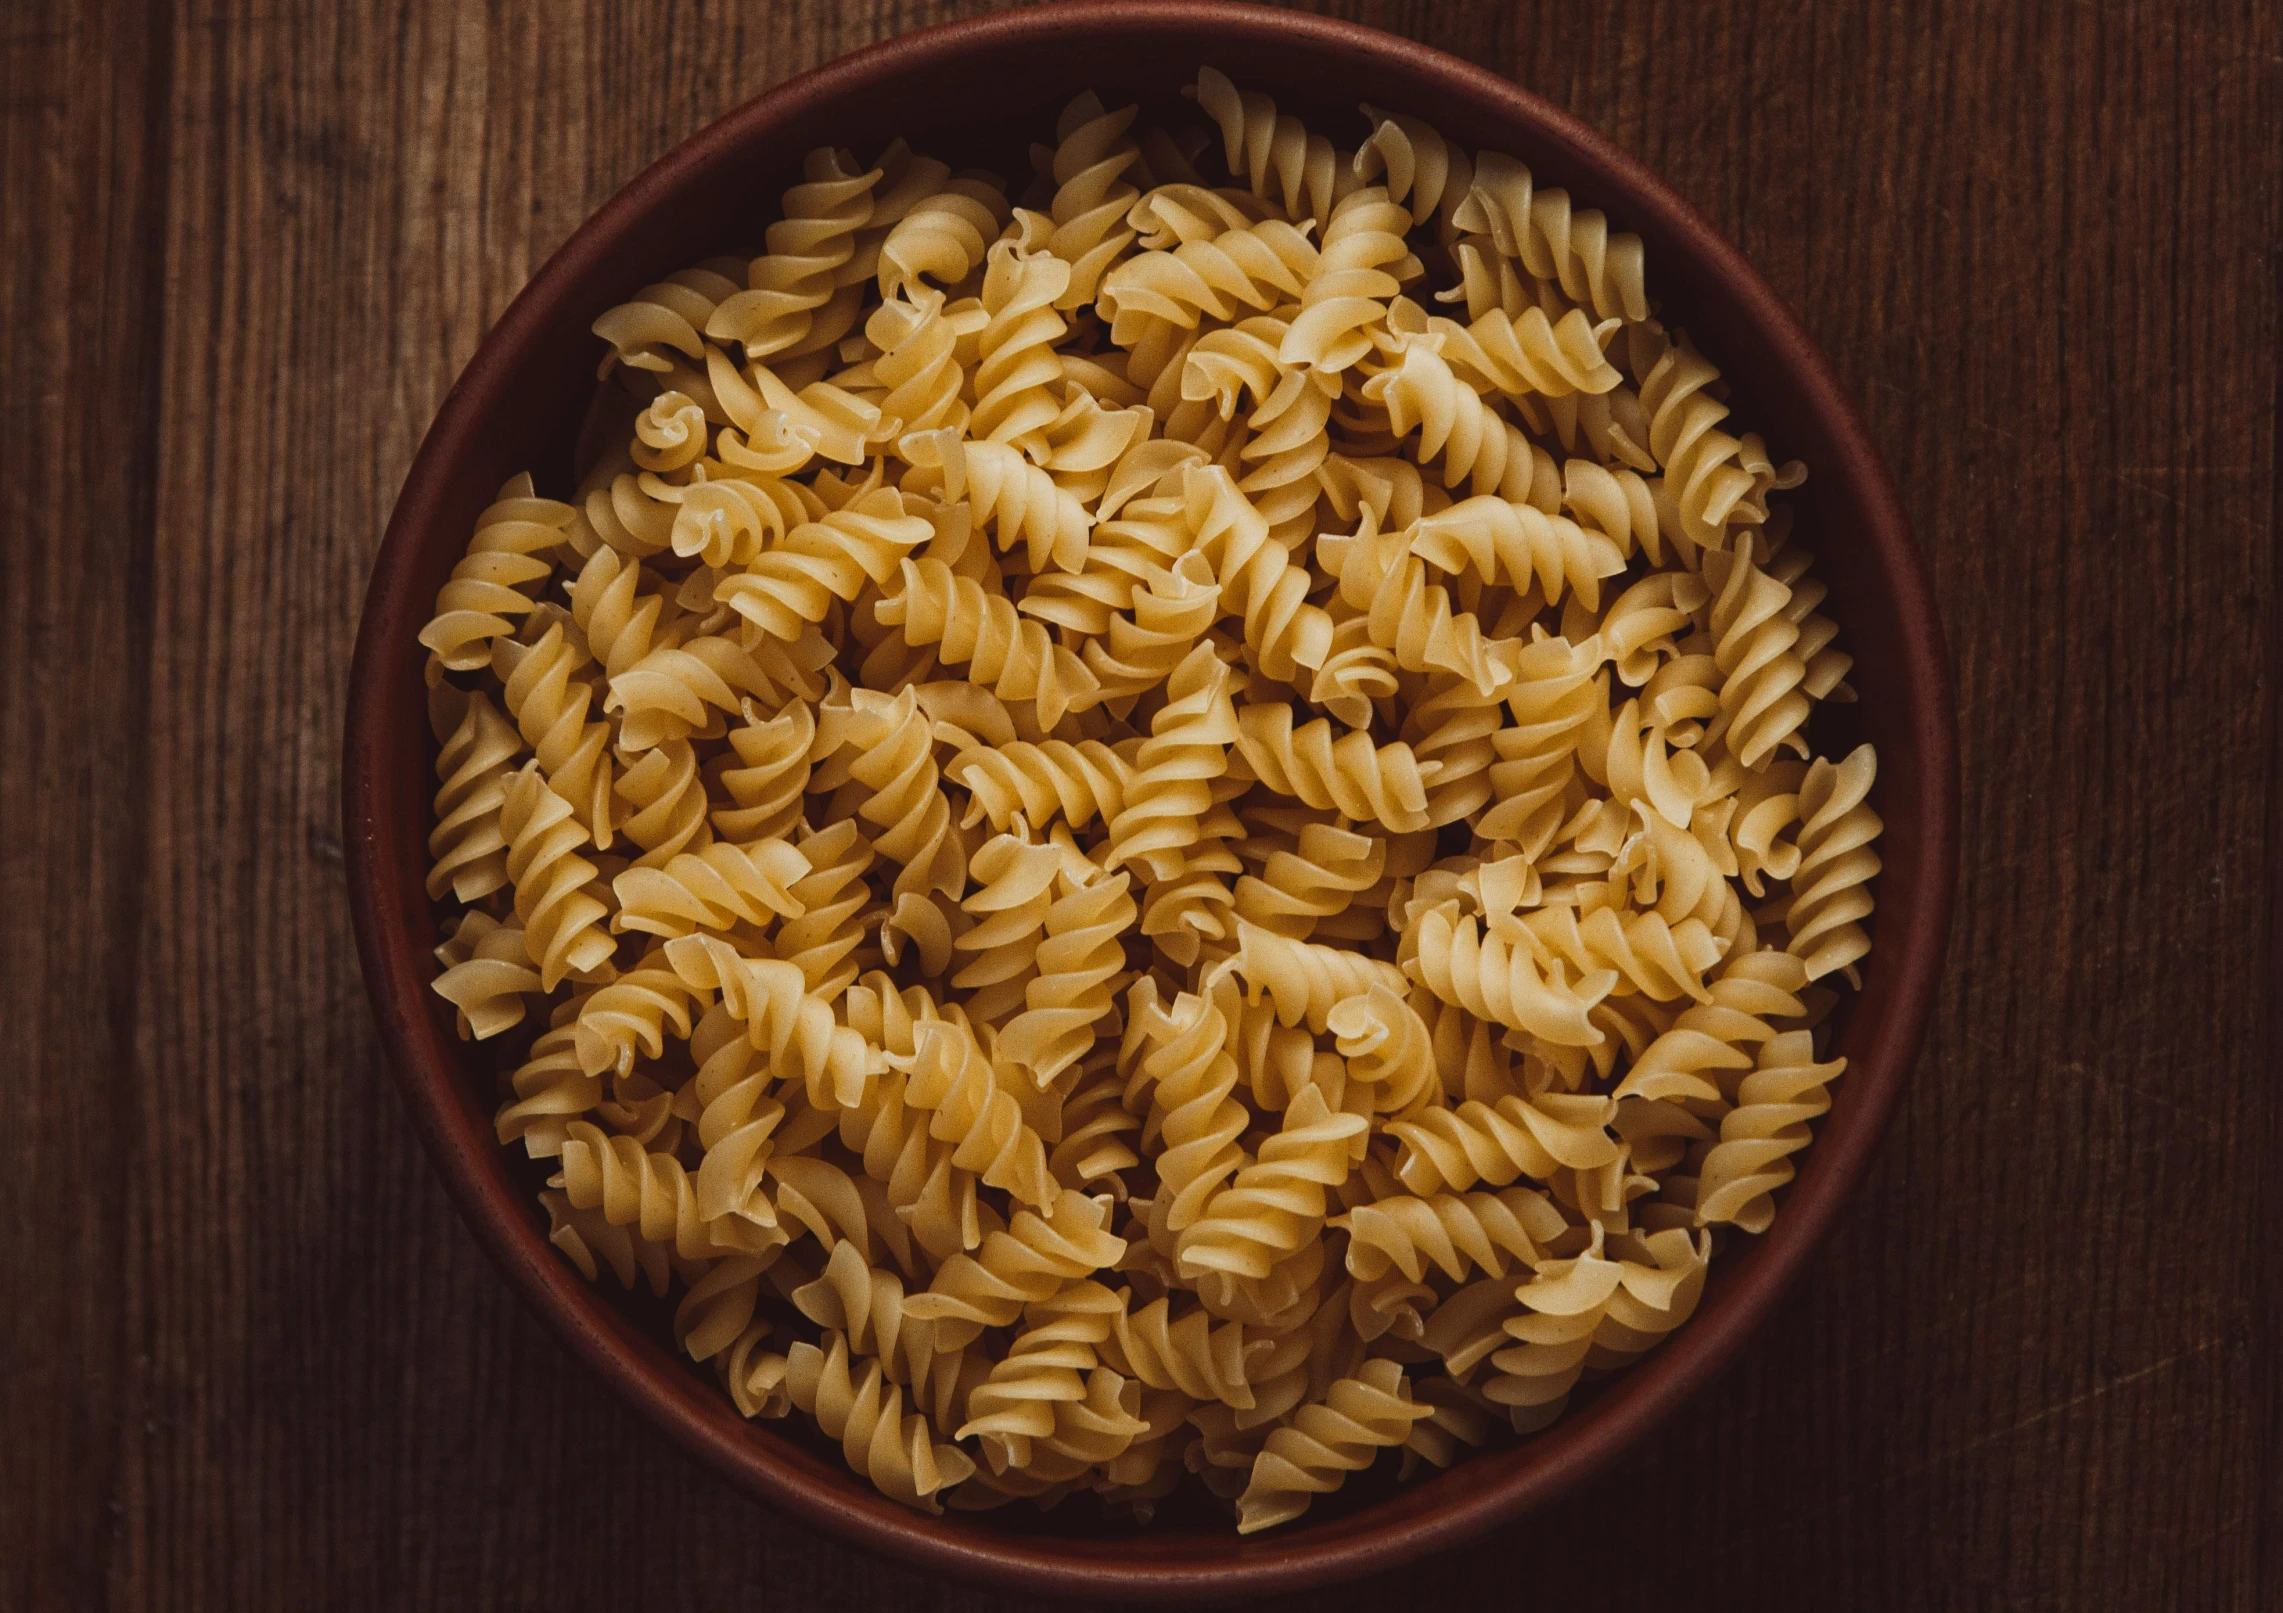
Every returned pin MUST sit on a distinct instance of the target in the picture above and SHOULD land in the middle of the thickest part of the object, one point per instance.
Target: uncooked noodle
(1158, 826)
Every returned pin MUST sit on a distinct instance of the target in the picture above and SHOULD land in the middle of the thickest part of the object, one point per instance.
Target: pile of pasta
(1166, 831)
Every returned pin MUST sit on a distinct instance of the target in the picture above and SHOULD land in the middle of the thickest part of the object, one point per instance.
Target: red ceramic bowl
(980, 91)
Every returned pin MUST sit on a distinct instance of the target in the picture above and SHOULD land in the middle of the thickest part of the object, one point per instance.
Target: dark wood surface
(250, 1360)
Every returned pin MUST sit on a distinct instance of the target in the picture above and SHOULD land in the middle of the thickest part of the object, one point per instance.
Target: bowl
(518, 405)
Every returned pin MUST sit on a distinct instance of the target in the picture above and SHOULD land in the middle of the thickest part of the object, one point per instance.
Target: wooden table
(249, 1359)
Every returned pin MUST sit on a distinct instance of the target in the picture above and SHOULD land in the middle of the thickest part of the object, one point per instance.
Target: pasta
(715, 889)
(1276, 1203)
(1324, 1441)
(1261, 146)
(1836, 861)
(893, 1448)
(950, 1076)
(487, 972)
(1455, 1232)
(1092, 195)
(1011, 654)
(1363, 267)
(1348, 774)
(468, 848)
(486, 594)
(1131, 855)
(561, 918)
(791, 283)
(1317, 876)
(546, 687)
(1079, 963)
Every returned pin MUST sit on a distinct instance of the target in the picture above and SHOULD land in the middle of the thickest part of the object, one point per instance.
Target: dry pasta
(1131, 853)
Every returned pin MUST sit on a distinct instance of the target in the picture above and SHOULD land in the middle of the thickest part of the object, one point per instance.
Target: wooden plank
(255, 1362)
(83, 161)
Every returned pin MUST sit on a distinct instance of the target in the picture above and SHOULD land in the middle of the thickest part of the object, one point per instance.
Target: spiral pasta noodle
(1016, 367)
(763, 776)
(952, 1078)
(1326, 1440)
(918, 372)
(1529, 356)
(1259, 582)
(1836, 862)
(1388, 1048)
(1285, 429)
(1422, 170)
(1318, 877)
(487, 973)
(1553, 241)
(770, 997)
(1786, 1089)
(1040, 1250)
(1170, 834)
(547, 687)
(895, 760)
(866, 1305)
(1505, 981)
(1361, 269)
(1013, 880)
(1140, 651)
(468, 848)
(895, 1143)
(896, 1450)
(634, 1013)
(1304, 981)
(1082, 783)
(1383, 783)
(1476, 445)
(715, 889)
(832, 558)
(1019, 501)
(1454, 1232)
(1263, 146)
(822, 942)
(943, 237)
(1591, 1309)
(1412, 617)
(790, 285)
(1709, 474)
(1195, 1355)
(663, 322)
(486, 595)
(1100, 1136)
(1092, 159)
(562, 920)
(1500, 541)
(1276, 1202)
(1451, 1149)
(1013, 656)
(1451, 732)
(650, 1192)
(1078, 965)
(1049, 1406)
(1174, 769)
(1252, 267)
(1745, 1005)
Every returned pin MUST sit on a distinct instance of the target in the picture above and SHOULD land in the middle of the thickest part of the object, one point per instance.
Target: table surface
(250, 1359)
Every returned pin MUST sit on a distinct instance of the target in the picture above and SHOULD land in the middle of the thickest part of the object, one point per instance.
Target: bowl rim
(395, 956)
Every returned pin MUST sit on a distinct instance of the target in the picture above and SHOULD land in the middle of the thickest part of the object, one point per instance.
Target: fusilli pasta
(1136, 855)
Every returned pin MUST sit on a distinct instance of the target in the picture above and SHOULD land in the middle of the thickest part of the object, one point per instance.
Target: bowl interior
(980, 94)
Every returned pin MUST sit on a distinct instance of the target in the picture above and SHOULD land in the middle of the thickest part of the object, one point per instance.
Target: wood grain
(250, 1358)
